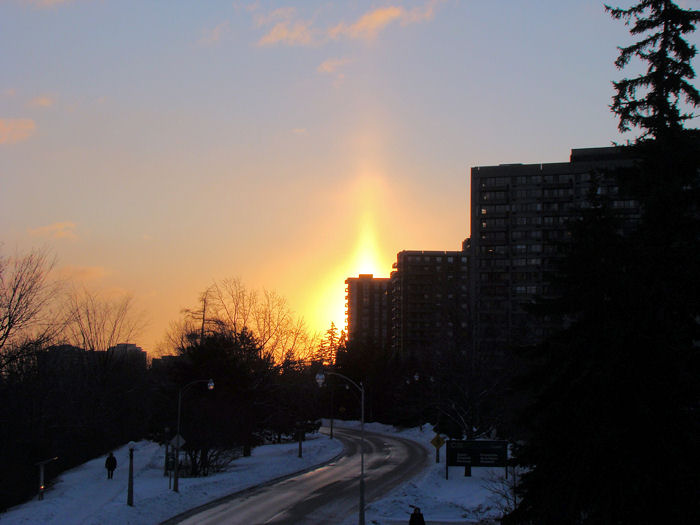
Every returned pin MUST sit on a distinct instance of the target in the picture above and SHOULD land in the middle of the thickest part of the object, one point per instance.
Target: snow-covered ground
(85, 496)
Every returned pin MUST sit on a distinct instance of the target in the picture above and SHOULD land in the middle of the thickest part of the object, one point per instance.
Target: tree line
(608, 432)
(67, 390)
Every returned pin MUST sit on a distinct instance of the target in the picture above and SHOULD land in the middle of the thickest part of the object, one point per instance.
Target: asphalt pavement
(325, 495)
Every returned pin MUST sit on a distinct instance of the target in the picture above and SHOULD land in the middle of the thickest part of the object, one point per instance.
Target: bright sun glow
(367, 256)
(364, 255)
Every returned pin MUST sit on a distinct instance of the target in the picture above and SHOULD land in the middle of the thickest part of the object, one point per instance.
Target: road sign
(437, 441)
(174, 442)
(477, 453)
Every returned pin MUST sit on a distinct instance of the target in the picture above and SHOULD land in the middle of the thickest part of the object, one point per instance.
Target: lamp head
(320, 379)
(210, 385)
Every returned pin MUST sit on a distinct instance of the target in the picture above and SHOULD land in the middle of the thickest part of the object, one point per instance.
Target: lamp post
(210, 386)
(320, 379)
(130, 487)
(41, 465)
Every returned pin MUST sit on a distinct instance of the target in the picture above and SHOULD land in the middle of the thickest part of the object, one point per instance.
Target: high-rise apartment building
(368, 311)
(422, 308)
(519, 215)
(429, 303)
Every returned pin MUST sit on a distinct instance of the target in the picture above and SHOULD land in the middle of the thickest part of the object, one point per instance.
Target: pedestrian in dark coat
(416, 517)
(110, 465)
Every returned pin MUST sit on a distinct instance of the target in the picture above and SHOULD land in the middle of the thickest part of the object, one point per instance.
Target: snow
(458, 500)
(85, 496)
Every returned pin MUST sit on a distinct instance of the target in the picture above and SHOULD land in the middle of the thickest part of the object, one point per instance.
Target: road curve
(325, 495)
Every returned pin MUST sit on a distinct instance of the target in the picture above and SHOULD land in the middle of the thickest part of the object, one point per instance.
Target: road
(326, 495)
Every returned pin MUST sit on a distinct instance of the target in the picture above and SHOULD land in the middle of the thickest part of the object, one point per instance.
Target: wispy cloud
(57, 230)
(214, 35)
(43, 101)
(299, 131)
(370, 24)
(332, 65)
(13, 130)
(287, 28)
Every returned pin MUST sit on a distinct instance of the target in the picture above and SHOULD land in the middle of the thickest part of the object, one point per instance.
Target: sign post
(437, 442)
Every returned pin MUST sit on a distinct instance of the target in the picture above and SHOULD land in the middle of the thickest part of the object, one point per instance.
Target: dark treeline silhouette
(610, 430)
(66, 402)
(75, 404)
(81, 399)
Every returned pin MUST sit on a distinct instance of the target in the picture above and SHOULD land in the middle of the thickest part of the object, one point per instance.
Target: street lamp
(130, 486)
(210, 386)
(320, 379)
(41, 465)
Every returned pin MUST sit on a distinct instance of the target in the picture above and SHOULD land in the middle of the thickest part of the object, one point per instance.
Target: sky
(157, 146)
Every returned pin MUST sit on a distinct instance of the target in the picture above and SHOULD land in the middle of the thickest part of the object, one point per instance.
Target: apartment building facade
(520, 215)
(368, 311)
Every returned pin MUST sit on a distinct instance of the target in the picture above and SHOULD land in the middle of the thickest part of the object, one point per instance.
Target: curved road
(326, 495)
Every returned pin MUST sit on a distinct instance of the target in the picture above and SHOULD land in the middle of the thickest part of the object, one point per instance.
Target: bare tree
(228, 306)
(27, 293)
(95, 321)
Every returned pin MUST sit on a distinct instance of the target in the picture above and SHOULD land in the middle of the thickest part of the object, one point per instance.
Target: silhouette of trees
(229, 306)
(610, 434)
(27, 293)
(651, 101)
(94, 321)
(328, 347)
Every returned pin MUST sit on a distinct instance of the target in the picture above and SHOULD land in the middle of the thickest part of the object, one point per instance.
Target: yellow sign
(437, 441)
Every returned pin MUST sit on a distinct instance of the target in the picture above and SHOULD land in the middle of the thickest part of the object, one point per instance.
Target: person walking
(110, 465)
(416, 517)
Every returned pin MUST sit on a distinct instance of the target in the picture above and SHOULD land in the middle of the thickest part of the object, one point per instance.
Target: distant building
(519, 216)
(128, 352)
(61, 358)
(429, 303)
(165, 364)
(368, 311)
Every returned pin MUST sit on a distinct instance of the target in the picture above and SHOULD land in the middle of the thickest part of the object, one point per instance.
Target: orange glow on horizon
(365, 256)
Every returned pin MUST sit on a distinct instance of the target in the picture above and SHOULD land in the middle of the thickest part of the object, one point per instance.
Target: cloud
(274, 16)
(57, 230)
(13, 130)
(289, 29)
(299, 131)
(332, 65)
(422, 13)
(43, 101)
(212, 36)
(370, 24)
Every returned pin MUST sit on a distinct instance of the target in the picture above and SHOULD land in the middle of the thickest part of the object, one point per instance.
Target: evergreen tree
(668, 55)
(612, 430)
(328, 348)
